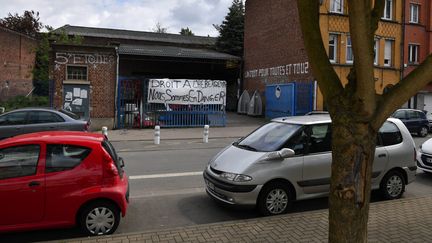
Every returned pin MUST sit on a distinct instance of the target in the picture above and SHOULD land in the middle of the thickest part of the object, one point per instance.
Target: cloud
(141, 15)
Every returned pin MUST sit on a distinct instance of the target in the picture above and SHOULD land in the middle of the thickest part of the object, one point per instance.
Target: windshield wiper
(247, 147)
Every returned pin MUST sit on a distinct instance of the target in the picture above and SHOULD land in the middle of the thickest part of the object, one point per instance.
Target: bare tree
(357, 112)
(159, 29)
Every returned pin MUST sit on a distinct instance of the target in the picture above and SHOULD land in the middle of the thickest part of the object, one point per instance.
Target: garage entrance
(144, 102)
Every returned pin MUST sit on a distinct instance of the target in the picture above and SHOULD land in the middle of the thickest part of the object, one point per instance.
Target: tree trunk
(353, 153)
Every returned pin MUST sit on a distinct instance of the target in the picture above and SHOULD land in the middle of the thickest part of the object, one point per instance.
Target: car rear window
(389, 134)
(61, 157)
(70, 114)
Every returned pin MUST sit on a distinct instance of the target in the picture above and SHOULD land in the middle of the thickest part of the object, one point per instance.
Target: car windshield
(269, 137)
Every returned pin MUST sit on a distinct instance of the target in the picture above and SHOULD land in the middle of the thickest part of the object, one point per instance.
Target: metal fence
(133, 110)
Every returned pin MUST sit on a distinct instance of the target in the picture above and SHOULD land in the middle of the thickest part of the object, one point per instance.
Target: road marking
(167, 175)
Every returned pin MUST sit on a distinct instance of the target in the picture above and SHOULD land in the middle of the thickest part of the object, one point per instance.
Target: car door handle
(34, 183)
(381, 155)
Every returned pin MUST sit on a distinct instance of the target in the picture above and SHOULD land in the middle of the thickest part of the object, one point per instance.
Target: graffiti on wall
(83, 58)
(283, 70)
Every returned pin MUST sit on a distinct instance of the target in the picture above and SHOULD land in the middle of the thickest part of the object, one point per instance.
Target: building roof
(135, 35)
(17, 33)
(173, 51)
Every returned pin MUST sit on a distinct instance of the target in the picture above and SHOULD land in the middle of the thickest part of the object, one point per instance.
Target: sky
(141, 15)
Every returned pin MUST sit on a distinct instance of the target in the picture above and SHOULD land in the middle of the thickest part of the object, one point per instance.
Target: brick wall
(17, 57)
(101, 66)
(274, 50)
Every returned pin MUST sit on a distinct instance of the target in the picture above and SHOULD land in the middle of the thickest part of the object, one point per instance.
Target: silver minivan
(290, 158)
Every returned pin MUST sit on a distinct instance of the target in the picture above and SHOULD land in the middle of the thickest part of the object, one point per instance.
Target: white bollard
(157, 135)
(206, 134)
(105, 131)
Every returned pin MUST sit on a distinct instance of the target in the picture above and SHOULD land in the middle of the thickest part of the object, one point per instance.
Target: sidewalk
(237, 126)
(404, 220)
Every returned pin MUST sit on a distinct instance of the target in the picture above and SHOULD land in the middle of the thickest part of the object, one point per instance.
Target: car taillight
(109, 168)
(87, 127)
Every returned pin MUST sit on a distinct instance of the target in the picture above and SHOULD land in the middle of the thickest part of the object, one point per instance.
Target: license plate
(210, 185)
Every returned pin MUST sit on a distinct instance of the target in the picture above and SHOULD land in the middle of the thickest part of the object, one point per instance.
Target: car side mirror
(281, 154)
(121, 162)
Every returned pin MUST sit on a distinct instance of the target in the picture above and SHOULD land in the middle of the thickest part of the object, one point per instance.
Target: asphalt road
(167, 189)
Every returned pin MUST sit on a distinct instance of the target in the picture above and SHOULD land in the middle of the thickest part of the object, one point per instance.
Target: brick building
(275, 54)
(418, 45)
(106, 77)
(17, 58)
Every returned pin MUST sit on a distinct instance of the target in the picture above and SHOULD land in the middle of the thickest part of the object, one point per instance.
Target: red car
(61, 179)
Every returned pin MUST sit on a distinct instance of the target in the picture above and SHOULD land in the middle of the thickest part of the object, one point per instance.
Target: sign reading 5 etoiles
(186, 91)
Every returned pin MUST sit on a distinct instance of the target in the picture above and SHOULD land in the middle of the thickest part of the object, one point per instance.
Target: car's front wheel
(423, 132)
(274, 199)
(99, 218)
(392, 185)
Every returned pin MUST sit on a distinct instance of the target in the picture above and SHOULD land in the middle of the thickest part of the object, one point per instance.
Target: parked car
(30, 120)
(429, 118)
(424, 156)
(61, 179)
(414, 120)
(290, 159)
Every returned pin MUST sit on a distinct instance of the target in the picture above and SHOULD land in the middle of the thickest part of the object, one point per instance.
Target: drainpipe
(402, 53)
(116, 88)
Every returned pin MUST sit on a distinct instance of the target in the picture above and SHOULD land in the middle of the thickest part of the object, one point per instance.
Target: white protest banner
(186, 91)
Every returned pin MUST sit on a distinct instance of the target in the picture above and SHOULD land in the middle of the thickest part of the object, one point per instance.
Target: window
(43, 117)
(388, 9)
(414, 13)
(297, 142)
(320, 138)
(76, 73)
(269, 137)
(333, 39)
(336, 6)
(18, 161)
(15, 118)
(388, 53)
(399, 114)
(62, 157)
(376, 51)
(389, 134)
(413, 51)
(349, 52)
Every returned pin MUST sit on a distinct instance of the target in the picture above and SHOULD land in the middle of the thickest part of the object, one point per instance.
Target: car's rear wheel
(275, 198)
(423, 132)
(392, 185)
(99, 218)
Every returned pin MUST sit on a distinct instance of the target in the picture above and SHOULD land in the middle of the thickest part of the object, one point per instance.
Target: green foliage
(28, 23)
(231, 31)
(41, 68)
(186, 31)
(22, 101)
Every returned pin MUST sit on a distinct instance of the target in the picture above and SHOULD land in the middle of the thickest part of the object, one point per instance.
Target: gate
(133, 110)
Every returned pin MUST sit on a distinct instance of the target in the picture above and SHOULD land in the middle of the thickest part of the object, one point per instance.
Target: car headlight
(235, 177)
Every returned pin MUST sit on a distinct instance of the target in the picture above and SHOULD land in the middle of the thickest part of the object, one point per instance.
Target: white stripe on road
(140, 177)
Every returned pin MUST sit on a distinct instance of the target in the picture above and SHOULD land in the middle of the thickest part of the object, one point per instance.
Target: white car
(424, 156)
(290, 159)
